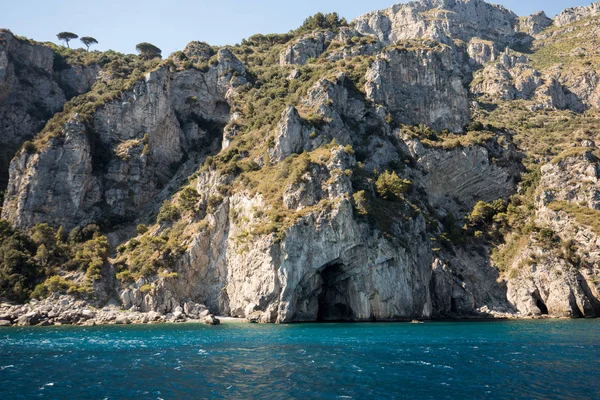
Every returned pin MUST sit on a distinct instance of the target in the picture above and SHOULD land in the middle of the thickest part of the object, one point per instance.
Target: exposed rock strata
(331, 265)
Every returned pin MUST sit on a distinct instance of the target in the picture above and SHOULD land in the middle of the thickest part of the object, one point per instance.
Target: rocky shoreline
(66, 310)
(59, 310)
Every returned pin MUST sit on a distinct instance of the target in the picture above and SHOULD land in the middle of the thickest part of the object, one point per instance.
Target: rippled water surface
(515, 359)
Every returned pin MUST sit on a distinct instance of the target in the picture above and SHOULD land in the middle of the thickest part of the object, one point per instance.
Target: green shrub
(390, 187)
(322, 21)
(188, 198)
(125, 276)
(54, 284)
(168, 212)
(146, 288)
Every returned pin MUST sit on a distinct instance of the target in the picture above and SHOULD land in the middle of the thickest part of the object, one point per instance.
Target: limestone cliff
(575, 14)
(33, 87)
(113, 165)
(429, 160)
(441, 20)
(419, 86)
(555, 273)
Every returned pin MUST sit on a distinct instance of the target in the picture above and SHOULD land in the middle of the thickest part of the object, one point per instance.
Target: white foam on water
(6, 366)
(47, 385)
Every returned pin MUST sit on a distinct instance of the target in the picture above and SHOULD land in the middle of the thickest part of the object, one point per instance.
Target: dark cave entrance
(334, 304)
(540, 304)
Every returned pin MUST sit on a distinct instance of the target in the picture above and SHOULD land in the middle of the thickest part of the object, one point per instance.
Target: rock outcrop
(113, 166)
(67, 310)
(332, 264)
(575, 14)
(535, 23)
(32, 90)
(466, 174)
(482, 51)
(419, 85)
(305, 48)
(441, 20)
(511, 77)
(556, 272)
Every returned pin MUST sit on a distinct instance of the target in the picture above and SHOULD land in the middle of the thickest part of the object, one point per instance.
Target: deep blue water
(458, 360)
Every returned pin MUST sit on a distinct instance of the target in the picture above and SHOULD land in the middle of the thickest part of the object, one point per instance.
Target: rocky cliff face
(331, 263)
(440, 20)
(114, 165)
(419, 86)
(535, 23)
(32, 89)
(346, 173)
(575, 14)
(559, 268)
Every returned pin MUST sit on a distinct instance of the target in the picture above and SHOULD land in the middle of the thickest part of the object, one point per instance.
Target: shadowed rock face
(32, 90)
(115, 166)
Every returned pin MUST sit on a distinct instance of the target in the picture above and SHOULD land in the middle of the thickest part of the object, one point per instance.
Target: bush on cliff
(322, 21)
(29, 259)
(391, 187)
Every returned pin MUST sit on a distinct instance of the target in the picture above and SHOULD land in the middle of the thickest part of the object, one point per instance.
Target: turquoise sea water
(457, 360)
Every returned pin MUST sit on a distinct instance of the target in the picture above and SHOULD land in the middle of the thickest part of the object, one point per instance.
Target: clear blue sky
(171, 24)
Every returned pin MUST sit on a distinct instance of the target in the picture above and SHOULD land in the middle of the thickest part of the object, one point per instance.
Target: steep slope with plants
(434, 159)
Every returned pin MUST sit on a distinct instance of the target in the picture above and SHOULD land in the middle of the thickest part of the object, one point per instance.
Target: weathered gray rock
(137, 144)
(291, 136)
(510, 78)
(467, 174)
(305, 48)
(211, 320)
(441, 20)
(535, 23)
(419, 86)
(550, 281)
(482, 51)
(32, 91)
(581, 88)
(574, 14)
